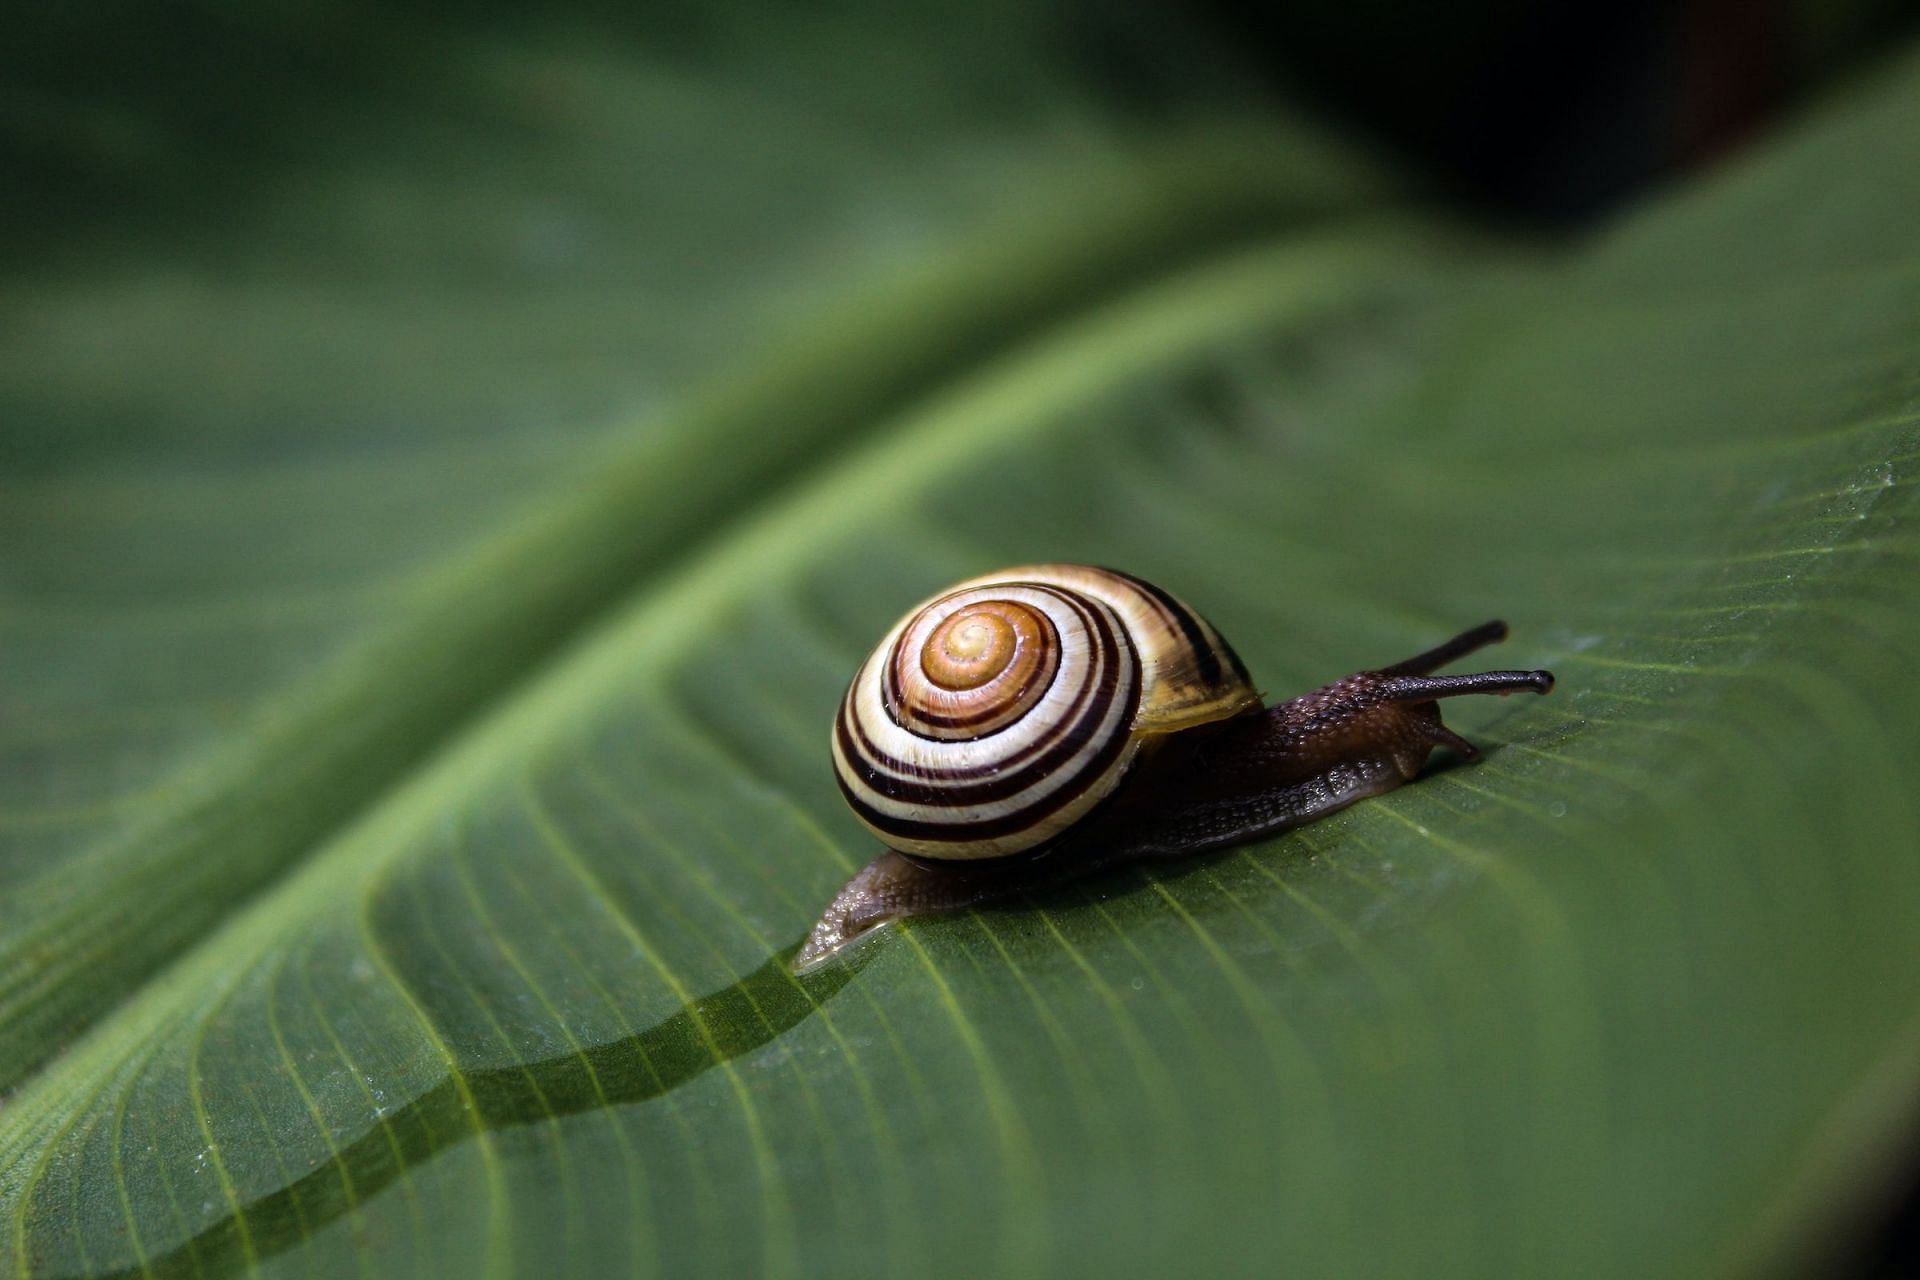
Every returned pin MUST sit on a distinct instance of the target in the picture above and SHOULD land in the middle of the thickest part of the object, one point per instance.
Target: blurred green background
(452, 457)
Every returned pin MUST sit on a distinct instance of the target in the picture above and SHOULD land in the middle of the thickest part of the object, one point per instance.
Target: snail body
(1028, 726)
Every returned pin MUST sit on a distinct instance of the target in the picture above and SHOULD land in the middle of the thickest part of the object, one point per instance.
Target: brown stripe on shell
(917, 716)
(909, 783)
(904, 772)
(1026, 817)
(1209, 646)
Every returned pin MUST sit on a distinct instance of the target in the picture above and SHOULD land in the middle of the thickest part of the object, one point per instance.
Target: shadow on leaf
(714, 1030)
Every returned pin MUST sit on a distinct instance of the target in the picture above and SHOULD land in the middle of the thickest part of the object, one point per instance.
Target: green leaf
(418, 671)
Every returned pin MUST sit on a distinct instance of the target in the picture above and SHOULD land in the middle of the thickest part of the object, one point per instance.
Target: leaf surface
(411, 800)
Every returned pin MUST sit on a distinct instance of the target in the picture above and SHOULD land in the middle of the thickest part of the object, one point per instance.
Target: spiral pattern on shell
(993, 716)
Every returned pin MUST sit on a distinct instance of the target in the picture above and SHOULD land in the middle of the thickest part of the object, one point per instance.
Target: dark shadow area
(716, 1029)
(176, 115)
(1880, 1239)
(1557, 113)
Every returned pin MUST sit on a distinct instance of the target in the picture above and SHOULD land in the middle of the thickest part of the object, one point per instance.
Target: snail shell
(994, 715)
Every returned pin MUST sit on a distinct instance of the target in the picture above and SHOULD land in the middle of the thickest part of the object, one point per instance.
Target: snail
(1029, 726)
